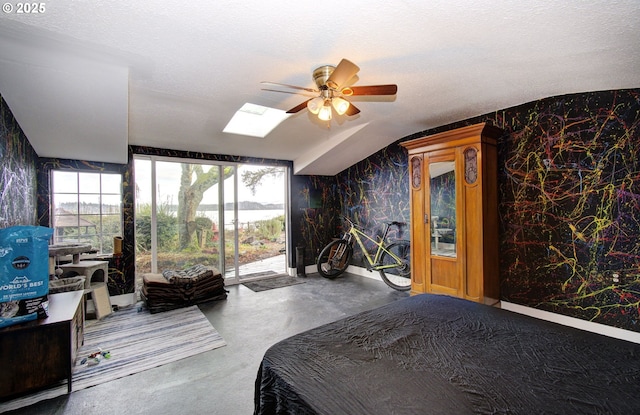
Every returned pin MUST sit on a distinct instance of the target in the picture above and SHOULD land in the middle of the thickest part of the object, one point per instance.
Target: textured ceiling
(86, 78)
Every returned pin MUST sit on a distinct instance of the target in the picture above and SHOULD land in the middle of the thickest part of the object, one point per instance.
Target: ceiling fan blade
(287, 92)
(290, 86)
(342, 74)
(298, 108)
(352, 110)
(371, 90)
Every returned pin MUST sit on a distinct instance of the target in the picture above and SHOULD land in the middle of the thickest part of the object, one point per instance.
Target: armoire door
(442, 207)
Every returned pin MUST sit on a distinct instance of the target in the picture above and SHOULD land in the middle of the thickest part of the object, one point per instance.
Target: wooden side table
(41, 353)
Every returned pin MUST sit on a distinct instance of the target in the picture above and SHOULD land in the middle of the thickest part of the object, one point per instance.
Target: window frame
(76, 196)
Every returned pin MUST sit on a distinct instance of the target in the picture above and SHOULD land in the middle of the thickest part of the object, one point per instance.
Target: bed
(433, 354)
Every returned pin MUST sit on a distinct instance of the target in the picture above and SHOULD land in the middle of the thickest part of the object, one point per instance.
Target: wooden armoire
(454, 213)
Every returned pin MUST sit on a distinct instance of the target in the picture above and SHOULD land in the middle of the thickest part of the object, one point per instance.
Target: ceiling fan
(333, 86)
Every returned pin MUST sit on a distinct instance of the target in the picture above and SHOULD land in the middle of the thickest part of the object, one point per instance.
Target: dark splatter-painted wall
(17, 173)
(570, 206)
(376, 191)
(314, 213)
(569, 202)
(370, 193)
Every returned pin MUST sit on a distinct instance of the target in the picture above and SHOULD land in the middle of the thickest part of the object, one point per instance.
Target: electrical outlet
(615, 277)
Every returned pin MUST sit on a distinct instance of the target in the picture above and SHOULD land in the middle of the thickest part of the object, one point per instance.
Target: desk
(41, 353)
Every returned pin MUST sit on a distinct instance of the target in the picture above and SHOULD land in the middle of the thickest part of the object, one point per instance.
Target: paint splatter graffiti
(570, 207)
(376, 191)
(17, 173)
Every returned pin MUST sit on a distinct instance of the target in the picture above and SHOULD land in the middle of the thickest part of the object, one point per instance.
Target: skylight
(255, 120)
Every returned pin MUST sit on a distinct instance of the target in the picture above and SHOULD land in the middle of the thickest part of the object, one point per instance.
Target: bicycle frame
(374, 263)
(391, 258)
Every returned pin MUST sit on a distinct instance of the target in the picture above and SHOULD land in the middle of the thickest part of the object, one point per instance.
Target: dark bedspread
(432, 354)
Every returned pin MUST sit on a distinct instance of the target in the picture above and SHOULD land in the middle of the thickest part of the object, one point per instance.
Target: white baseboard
(123, 299)
(313, 269)
(375, 275)
(610, 331)
(310, 269)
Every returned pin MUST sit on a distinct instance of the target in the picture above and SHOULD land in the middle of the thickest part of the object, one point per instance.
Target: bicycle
(393, 261)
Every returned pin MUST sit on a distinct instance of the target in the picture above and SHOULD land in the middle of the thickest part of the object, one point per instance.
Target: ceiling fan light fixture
(341, 105)
(325, 111)
(334, 87)
(347, 91)
(314, 105)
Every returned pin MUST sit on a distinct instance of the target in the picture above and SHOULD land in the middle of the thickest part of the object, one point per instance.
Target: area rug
(136, 341)
(277, 281)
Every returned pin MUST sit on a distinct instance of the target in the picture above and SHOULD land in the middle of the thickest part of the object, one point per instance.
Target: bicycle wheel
(334, 258)
(399, 277)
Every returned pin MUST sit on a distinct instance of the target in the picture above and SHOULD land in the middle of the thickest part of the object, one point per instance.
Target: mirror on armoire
(443, 208)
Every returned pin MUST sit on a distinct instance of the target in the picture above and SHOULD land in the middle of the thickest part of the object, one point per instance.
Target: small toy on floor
(95, 357)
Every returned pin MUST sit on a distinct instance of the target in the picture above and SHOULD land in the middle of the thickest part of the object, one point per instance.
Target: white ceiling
(86, 78)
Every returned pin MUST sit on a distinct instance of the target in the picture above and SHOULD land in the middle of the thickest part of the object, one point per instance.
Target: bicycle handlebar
(351, 222)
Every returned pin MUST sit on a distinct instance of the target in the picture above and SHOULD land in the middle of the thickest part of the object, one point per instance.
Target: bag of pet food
(24, 273)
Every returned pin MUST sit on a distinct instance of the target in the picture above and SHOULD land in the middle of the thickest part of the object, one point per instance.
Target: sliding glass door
(260, 221)
(227, 216)
(177, 214)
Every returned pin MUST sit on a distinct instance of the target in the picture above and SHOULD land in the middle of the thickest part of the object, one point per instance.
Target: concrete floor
(221, 381)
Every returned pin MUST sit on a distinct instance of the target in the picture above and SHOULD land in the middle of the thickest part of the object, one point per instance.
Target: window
(86, 208)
